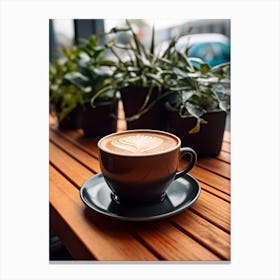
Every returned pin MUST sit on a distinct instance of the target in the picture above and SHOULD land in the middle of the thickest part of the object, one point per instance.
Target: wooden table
(202, 232)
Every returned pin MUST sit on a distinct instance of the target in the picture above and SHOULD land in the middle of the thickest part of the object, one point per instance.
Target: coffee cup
(139, 165)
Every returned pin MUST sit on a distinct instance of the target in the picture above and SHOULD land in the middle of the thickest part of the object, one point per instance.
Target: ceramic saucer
(181, 194)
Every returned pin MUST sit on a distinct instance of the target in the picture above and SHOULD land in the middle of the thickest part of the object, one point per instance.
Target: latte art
(137, 143)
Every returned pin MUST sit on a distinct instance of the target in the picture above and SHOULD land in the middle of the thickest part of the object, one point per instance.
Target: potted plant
(137, 76)
(93, 70)
(184, 93)
(87, 78)
(64, 96)
(197, 109)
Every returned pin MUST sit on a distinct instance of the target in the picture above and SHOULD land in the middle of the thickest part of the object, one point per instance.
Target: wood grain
(212, 179)
(91, 160)
(215, 192)
(69, 166)
(76, 137)
(213, 209)
(172, 244)
(224, 156)
(206, 233)
(226, 147)
(200, 233)
(119, 243)
(107, 243)
(214, 165)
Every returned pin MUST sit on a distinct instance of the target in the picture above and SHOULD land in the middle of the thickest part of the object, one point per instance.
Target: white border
(24, 138)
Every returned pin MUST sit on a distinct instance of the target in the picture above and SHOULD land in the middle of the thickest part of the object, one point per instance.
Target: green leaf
(185, 60)
(170, 107)
(170, 46)
(223, 66)
(102, 72)
(186, 95)
(93, 40)
(204, 68)
(155, 78)
(197, 59)
(136, 40)
(147, 99)
(99, 93)
(196, 129)
(151, 105)
(221, 96)
(79, 80)
(194, 109)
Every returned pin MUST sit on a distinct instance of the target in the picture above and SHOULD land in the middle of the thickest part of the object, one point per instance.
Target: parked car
(212, 48)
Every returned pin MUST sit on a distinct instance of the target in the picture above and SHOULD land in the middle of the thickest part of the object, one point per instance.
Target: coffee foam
(138, 143)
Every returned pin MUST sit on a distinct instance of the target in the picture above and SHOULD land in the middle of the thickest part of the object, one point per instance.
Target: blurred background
(210, 37)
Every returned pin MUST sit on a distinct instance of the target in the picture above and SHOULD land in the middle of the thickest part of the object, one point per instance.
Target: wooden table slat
(217, 166)
(59, 193)
(106, 242)
(68, 165)
(206, 233)
(226, 137)
(212, 179)
(213, 209)
(226, 147)
(200, 233)
(174, 244)
(224, 156)
(215, 192)
(89, 159)
(76, 137)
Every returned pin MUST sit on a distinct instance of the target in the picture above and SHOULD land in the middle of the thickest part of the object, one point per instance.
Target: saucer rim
(112, 215)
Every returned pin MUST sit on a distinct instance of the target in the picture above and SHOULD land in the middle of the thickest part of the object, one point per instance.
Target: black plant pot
(133, 98)
(208, 141)
(72, 120)
(99, 121)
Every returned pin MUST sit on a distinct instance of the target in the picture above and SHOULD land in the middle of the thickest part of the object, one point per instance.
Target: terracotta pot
(133, 98)
(99, 121)
(208, 141)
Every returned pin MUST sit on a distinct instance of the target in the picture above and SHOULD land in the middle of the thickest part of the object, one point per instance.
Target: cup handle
(192, 153)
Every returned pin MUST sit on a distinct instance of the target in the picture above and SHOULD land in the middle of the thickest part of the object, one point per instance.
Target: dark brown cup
(143, 178)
